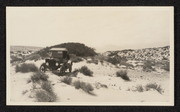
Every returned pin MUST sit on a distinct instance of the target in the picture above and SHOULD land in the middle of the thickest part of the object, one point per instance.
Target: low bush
(166, 66)
(75, 58)
(84, 86)
(74, 73)
(24, 68)
(15, 59)
(155, 87)
(67, 80)
(39, 76)
(46, 85)
(45, 96)
(116, 60)
(123, 75)
(86, 71)
(139, 88)
(147, 66)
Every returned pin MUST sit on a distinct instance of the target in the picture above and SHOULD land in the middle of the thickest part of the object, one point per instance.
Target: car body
(58, 60)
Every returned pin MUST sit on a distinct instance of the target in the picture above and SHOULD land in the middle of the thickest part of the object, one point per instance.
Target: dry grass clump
(86, 71)
(149, 86)
(67, 80)
(139, 88)
(39, 76)
(45, 96)
(24, 68)
(45, 93)
(123, 75)
(84, 86)
(46, 85)
(155, 87)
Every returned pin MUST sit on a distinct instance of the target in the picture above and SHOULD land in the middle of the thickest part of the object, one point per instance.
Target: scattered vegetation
(67, 80)
(155, 87)
(139, 88)
(45, 93)
(75, 72)
(24, 68)
(116, 59)
(166, 66)
(45, 96)
(149, 86)
(15, 59)
(86, 71)
(33, 57)
(75, 58)
(84, 86)
(147, 66)
(39, 76)
(123, 75)
(46, 85)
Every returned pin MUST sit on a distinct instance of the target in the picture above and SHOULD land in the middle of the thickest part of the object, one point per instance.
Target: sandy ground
(117, 89)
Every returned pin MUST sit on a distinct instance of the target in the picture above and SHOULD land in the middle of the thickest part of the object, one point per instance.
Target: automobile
(58, 60)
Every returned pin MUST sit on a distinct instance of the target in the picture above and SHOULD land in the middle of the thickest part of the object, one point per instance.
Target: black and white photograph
(90, 56)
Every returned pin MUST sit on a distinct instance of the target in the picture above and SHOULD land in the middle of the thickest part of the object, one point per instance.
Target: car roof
(58, 49)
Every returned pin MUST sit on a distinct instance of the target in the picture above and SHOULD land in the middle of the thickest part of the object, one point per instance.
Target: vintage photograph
(90, 56)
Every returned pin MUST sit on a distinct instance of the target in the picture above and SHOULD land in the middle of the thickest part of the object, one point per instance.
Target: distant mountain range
(157, 54)
(24, 48)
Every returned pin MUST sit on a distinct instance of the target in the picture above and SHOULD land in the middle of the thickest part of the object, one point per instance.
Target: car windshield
(57, 54)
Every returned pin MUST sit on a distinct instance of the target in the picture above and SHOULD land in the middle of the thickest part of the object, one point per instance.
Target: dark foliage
(39, 76)
(24, 68)
(86, 71)
(123, 75)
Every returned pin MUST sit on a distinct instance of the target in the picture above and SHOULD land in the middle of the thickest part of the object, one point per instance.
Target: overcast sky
(103, 28)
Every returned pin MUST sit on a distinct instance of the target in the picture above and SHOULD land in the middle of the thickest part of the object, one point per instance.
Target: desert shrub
(75, 58)
(86, 71)
(24, 68)
(74, 73)
(15, 59)
(166, 66)
(84, 86)
(123, 75)
(33, 57)
(155, 87)
(39, 76)
(116, 59)
(139, 88)
(147, 66)
(46, 85)
(45, 96)
(67, 80)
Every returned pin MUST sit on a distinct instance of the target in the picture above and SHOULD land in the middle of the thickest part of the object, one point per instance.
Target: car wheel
(43, 67)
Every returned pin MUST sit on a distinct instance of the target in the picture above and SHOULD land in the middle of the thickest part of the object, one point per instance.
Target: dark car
(58, 60)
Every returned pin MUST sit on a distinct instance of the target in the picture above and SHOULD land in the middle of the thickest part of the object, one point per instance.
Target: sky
(102, 28)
